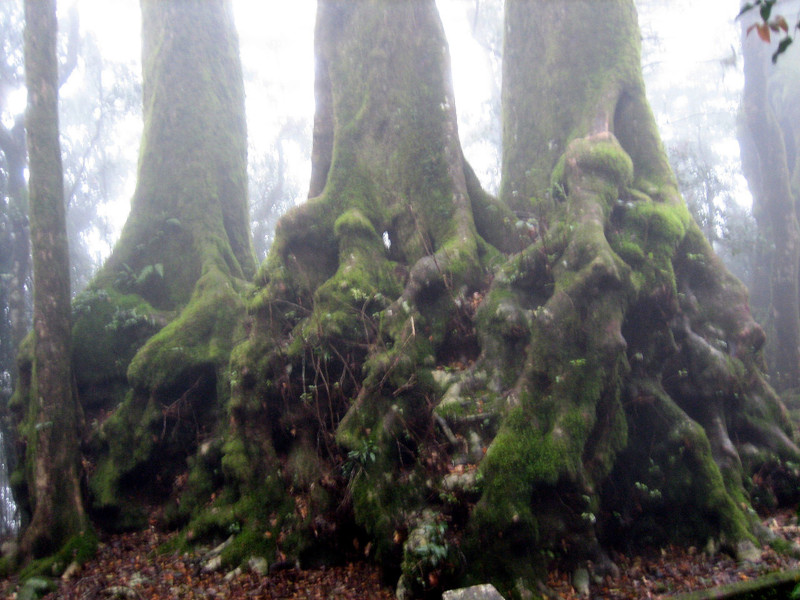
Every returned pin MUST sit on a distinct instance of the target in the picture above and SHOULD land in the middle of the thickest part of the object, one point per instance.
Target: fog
(691, 65)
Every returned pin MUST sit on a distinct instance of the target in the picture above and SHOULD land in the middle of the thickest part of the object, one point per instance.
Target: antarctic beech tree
(556, 372)
(639, 389)
(51, 429)
(466, 386)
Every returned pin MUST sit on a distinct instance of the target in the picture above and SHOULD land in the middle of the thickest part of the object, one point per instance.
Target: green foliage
(426, 551)
(359, 458)
(108, 329)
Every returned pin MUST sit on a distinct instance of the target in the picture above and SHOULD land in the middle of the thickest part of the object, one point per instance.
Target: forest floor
(130, 566)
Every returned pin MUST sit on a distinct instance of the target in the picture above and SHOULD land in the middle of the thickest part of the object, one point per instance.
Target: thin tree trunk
(12, 142)
(52, 431)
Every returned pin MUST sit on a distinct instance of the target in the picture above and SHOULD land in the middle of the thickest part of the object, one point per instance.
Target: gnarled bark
(640, 393)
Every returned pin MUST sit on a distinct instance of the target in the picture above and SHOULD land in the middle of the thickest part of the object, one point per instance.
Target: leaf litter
(130, 566)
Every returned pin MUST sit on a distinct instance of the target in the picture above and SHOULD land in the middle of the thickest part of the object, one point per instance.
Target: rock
(120, 592)
(70, 572)
(233, 574)
(747, 551)
(213, 564)
(477, 592)
(580, 581)
(35, 588)
(259, 565)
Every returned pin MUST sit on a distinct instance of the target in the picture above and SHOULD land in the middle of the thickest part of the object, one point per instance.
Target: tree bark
(637, 337)
(53, 423)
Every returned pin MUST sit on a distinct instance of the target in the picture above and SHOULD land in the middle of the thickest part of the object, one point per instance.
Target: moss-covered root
(722, 358)
(180, 384)
(716, 376)
(552, 443)
(667, 484)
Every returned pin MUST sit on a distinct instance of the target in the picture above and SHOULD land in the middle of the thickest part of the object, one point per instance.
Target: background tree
(15, 259)
(90, 119)
(707, 184)
(768, 140)
(52, 460)
(274, 188)
(99, 103)
(621, 256)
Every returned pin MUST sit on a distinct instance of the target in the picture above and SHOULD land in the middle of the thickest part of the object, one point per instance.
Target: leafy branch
(769, 24)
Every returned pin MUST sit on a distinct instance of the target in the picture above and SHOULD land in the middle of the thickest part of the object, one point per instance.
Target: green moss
(660, 223)
(521, 457)
(676, 481)
(237, 465)
(203, 335)
(78, 549)
(248, 544)
(601, 155)
(108, 329)
(382, 502)
(628, 249)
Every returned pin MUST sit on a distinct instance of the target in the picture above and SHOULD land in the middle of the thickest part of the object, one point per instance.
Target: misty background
(690, 60)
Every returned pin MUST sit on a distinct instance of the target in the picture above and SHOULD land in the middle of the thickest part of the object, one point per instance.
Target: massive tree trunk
(181, 263)
(464, 386)
(593, 347)
(642, 357)
(769, 138)
(52, 423)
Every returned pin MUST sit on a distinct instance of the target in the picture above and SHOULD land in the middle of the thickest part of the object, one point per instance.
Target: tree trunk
(615, 322)
(642, 358)
(52, 429)
(12, 143)
(462, 389)
(181, 263)
(769, 138)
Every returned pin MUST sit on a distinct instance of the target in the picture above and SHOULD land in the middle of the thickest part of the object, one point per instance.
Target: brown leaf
(763, 31)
